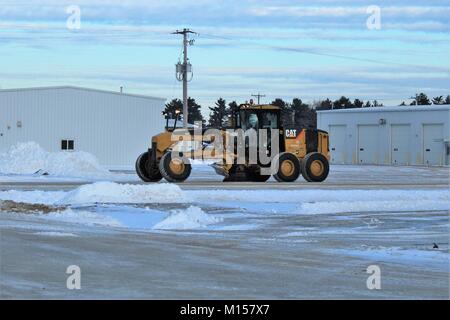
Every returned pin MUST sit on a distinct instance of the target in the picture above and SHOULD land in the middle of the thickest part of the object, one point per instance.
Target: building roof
(82, 89)
(389, 109)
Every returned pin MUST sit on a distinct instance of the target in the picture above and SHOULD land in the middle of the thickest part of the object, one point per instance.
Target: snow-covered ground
(257, 206)
(208, 239)
(199, 245)
(28, 163)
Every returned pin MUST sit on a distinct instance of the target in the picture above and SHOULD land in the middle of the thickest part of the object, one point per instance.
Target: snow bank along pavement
(29, 158)
(125, 204)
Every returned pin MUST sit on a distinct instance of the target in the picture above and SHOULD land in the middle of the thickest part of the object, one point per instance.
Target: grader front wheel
(175, 169)
(288, 168)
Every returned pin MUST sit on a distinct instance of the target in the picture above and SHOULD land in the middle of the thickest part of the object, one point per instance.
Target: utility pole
(182, 71)
(259, 96)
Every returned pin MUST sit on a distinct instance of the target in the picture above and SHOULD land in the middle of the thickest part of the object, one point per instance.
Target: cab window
(249, 120)
(269, 120)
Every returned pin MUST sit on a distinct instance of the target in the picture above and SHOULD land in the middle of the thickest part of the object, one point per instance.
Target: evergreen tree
(172, 106)
(447, 100)
(195, 113)
(194, 110)
(218, 113)
(304, 116)
(421, 99)
(233, 107)
(342, 103)
(438, 100)
(368, 104)
(324, 105)
(402, 104)
(358, 103)
(377, 104)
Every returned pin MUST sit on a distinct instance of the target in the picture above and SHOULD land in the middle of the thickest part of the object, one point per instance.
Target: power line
(246, 43)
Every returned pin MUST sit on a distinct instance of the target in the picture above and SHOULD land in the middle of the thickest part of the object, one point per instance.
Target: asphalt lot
(254, 255)
(341, 176)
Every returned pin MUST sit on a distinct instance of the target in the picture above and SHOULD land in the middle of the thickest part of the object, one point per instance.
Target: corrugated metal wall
(114, 127)
(415, 147)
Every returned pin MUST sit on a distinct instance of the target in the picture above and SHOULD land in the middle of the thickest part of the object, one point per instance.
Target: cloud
(245, 13)
(284, 48)
(335, 11)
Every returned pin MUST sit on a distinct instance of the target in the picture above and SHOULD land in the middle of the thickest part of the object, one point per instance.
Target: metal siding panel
(401, 144)
(433, 144)
(338, 143)
(114, 128)
(368, 144)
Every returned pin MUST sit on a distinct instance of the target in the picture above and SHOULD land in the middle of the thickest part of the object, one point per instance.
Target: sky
(284, 49)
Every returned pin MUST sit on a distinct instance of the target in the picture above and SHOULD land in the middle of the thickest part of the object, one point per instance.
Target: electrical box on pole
(184, 72)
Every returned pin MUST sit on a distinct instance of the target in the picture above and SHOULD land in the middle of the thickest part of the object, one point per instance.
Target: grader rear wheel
(145, 170)
(315, 167)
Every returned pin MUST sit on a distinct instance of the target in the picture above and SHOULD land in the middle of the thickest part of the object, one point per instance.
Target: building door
(401, 144)
(368, 144)
(433, 144)
(338, 143)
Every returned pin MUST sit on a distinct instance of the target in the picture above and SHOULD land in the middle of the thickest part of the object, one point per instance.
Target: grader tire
(315, 167)
(145, 170)
(175, 170)
(288, 168)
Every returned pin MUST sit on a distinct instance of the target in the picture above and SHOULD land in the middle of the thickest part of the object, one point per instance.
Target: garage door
(433, 144)
(338, 142)
(368, 144)
(401, 144)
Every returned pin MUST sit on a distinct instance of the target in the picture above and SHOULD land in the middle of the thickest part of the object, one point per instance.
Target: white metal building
(115, 127)
(405, 135)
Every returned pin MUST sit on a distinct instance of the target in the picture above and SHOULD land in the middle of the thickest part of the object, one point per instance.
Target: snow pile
(326, 201)
(110, 192)
(191, 218)
(29, 158)
(82, 217)
(101, 192)
(317, 195)
(34, 197)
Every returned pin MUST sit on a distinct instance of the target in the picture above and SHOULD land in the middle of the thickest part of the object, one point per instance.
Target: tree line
(294, 114)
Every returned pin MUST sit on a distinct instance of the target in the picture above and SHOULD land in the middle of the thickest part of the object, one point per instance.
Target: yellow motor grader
(298, 152)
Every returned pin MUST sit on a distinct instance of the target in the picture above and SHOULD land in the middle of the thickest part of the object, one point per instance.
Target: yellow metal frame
(296, 146)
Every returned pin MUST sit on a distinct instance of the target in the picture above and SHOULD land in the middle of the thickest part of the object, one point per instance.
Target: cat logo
(291, 133)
